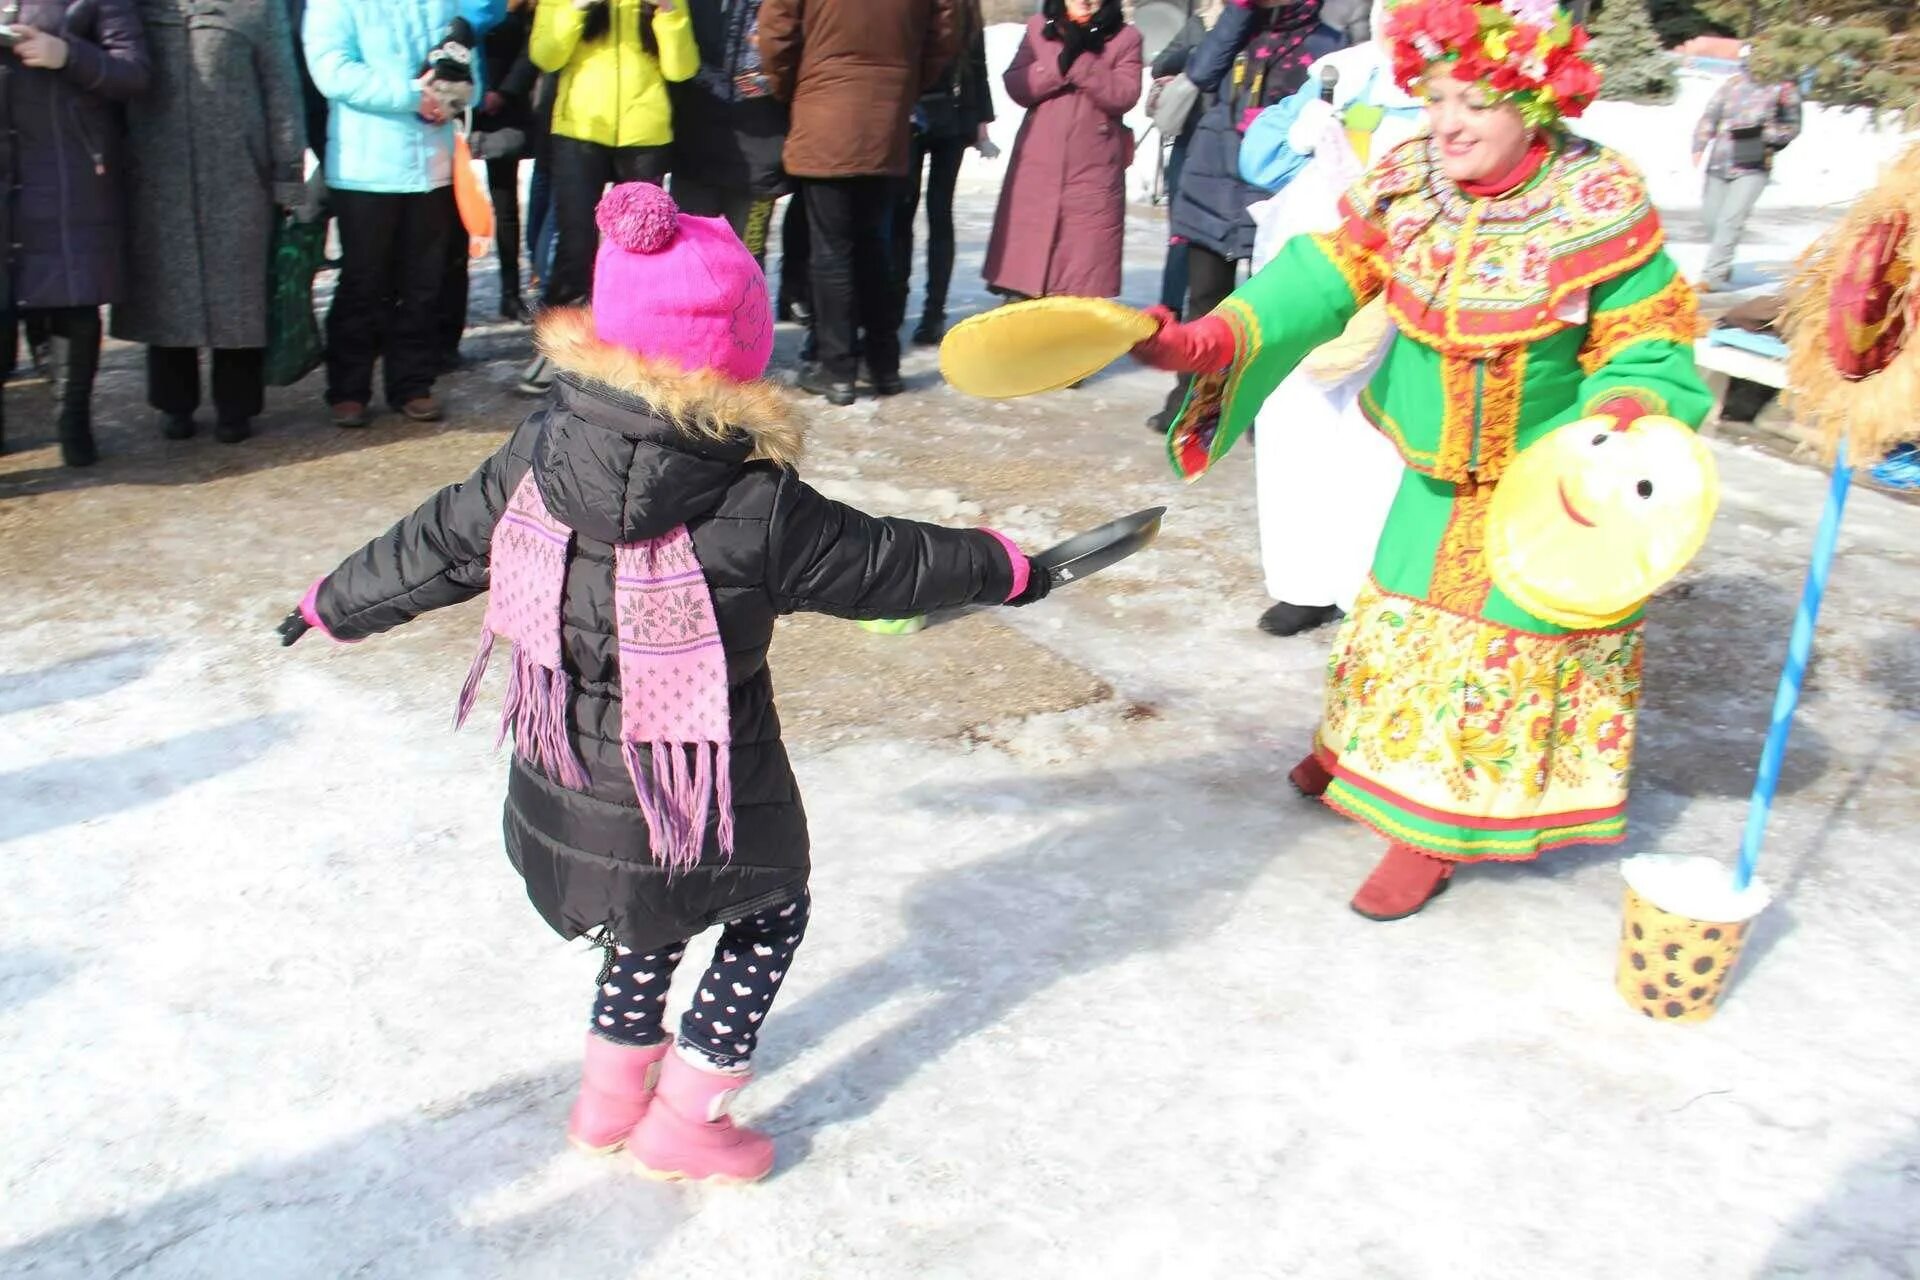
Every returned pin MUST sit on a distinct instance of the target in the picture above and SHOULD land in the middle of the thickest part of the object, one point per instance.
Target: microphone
(1329, 77)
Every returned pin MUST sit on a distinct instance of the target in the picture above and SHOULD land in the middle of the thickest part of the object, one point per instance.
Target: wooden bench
(1750, 380)
(1748, 366)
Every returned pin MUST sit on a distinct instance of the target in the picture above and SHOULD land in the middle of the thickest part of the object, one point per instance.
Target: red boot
(1310, 777)
(1406, 880)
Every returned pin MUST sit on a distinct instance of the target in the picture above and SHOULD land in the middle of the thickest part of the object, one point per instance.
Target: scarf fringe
(678, 786)
(534, 710)
(470, 690)
(677, 794)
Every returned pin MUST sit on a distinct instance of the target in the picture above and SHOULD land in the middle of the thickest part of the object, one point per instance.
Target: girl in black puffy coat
(637, 538)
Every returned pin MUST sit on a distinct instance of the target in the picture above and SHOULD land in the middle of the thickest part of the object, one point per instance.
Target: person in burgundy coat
(1062, 215)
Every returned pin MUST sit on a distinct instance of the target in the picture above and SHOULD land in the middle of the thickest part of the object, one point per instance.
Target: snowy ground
(1082, 996)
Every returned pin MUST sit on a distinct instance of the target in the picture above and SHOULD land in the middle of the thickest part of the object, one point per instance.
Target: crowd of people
(156, 144)
(188, 127)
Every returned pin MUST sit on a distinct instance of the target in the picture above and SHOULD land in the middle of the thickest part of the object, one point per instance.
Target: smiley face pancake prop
(1045, 344)
(1591, 521)
(1853, 321)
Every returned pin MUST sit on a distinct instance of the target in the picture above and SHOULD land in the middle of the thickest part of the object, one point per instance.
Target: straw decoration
(1852, 321)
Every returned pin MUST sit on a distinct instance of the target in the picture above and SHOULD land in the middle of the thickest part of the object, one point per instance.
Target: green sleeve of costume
(1641, 332)
(1296, 303)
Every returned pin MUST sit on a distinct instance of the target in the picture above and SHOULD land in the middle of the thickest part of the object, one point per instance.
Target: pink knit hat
(674, 287)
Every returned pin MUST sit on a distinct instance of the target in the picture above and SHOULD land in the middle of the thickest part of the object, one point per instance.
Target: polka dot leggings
(723, 1020)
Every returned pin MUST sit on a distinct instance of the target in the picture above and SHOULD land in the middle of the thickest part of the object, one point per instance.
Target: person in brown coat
(851, 71)
(1063, 208)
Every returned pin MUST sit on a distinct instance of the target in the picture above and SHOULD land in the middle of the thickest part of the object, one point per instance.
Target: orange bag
(470, 197)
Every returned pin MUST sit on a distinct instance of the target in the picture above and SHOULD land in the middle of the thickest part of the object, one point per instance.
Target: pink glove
(1030, 582)
(307, 618)
(1204, 346)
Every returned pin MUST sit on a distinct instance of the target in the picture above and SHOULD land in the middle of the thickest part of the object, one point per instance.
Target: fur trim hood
(701, 405)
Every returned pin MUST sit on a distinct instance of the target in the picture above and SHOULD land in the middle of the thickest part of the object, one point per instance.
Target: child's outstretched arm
(826, 557)
(433, 558)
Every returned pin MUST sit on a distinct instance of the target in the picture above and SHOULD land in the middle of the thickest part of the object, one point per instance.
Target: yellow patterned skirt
(1459, 723)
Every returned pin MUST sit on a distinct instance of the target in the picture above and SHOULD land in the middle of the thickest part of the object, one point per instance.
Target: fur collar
(701, 405)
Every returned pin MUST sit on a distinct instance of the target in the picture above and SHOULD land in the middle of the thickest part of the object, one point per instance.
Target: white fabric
(1306, 131)
(1326, 478)
(1573, 308)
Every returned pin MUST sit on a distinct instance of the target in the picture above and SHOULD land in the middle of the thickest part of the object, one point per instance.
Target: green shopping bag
(294, 345)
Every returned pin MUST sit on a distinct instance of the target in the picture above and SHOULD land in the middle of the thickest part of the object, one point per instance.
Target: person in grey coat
(218, 145)
(69, 67)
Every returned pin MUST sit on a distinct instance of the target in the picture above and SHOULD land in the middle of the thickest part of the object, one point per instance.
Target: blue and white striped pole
(1799, 653)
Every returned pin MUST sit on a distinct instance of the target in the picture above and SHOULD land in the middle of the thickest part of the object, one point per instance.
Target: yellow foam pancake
(1591, 521)
(1045, 344)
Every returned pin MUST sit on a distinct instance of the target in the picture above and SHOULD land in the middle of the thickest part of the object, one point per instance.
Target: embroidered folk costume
(1458, 725)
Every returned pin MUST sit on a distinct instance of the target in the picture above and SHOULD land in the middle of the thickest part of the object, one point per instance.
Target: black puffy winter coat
(1253, 57)
(612, 464)
(62, 153)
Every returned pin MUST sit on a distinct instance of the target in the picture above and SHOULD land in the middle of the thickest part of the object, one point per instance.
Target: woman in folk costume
(1523, 269)
(1326, 478)
(637, 538)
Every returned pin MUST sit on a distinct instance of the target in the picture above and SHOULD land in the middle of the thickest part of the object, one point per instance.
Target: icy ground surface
(1082, 997)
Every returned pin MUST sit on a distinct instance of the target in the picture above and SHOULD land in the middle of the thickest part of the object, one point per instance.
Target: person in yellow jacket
(611, 118)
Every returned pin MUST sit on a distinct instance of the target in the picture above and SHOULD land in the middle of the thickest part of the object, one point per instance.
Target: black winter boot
(933, 327)
(1297, 619)
(1159, 423)
(76, 438)
(506, 243)
(76, 359)
(816, 381)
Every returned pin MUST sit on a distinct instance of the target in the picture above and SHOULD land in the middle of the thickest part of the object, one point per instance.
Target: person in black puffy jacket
(639, 536)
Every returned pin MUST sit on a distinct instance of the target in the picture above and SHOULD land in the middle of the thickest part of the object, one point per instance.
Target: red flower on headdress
(1506, 77)
(1408, 65)
(1473, 65)
(1574, 82)
(1429, 30)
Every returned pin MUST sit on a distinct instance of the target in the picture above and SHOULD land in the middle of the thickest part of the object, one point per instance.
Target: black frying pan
(1086, 554)
(1090, 552)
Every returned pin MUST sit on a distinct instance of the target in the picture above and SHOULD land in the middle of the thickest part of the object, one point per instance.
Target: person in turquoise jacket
(389, 172)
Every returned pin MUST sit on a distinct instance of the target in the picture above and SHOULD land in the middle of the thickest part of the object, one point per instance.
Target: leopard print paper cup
(1681, 934)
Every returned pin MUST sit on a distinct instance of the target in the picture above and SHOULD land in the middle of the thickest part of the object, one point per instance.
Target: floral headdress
(1526, 52)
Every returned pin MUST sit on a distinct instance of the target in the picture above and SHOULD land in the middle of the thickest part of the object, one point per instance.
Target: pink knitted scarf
(674, 726)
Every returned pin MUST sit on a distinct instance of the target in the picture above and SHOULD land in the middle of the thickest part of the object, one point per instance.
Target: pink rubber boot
(616, 1084)
(686, 1132)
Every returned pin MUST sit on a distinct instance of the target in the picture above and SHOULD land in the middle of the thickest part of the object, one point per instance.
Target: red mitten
(1204, 346)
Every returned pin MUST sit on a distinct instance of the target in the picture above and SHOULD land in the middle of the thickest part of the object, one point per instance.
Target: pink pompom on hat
(674, 287)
